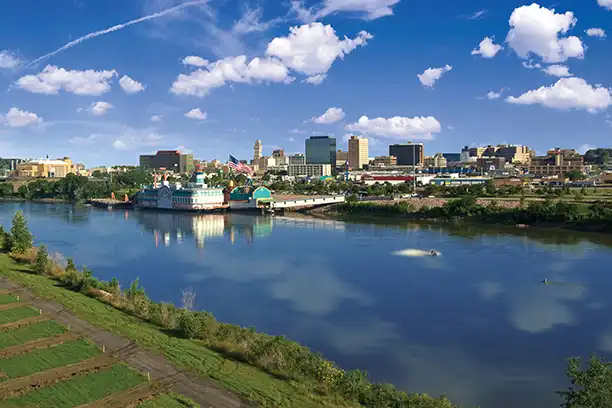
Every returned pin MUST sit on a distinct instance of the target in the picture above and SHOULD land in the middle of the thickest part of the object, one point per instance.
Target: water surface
(475, 323)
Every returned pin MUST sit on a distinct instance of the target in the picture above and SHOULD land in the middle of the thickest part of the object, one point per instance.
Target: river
(476, 323)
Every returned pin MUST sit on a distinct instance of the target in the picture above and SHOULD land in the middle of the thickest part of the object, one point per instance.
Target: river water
(475, 323)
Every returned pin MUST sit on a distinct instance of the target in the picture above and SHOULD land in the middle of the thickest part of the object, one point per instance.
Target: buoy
(545, 280)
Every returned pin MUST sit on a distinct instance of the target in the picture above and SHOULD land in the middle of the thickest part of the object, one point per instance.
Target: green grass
(242, 379)
(7, 298)
(43, 359)
(34, 331)
(79, 390)
(165, 401)
(19, 313)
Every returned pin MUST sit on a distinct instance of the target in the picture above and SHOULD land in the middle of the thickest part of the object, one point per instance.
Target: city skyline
(200, 77)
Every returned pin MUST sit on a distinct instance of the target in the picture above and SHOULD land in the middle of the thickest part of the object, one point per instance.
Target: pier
(110, 203)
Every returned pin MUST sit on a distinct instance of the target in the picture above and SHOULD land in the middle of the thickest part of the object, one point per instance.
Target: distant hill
(598, 156)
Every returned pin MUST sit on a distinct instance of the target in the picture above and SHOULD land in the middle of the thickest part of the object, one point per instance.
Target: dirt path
(37, 344)
(13, 305)
(23, 322)
(202, 391)
(131, 397)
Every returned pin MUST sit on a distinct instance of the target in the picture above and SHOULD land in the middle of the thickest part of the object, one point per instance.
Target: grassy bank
(594, 217)
(268, 370)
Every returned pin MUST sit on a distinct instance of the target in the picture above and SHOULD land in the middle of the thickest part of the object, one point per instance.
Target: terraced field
(45, 365)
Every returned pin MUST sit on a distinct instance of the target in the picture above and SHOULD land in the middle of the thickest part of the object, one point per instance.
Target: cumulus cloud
(133, 139)
(130, 86)
(557, 70)
(19, 118)
(9, 60)
(567, 93)
(605, 4)
(429, 77)
(311, 49)
(196, 114)
(531, 65)
(195, 61)
(331, 115)
(100, 108)
(315, 79)
(487, 48)
(230, 70)
(53, 79)
(596, 32)
(366, 9)
(492, 95)
(397, 127)
(536, 30)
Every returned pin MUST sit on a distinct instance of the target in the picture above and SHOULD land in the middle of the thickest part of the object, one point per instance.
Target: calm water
(475, 323)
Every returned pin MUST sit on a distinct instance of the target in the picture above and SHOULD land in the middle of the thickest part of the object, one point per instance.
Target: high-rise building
(278, 153)
(437, 160)
(321, 150)
(297, 158)
(410, 154)
(358, 152)
(342, 158)
(257, 150)
(171, 160)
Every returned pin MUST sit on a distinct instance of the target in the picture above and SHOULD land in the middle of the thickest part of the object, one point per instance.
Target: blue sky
(391, 70)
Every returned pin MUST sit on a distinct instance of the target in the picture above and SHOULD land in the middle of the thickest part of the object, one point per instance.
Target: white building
(309, 170)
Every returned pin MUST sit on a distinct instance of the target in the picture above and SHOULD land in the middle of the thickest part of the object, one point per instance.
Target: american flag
(239, 167)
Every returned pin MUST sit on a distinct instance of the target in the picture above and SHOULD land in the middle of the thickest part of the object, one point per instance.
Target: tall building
(171, 160)
(410, 154)
(278, 153)
(558, 162)
(437, 160)
(341, 158)
(358, 152)
(257, 150)
(321, 150)
(511, 153)
(297, 158)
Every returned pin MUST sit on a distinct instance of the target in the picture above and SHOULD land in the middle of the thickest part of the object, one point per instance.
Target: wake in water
(414, 253)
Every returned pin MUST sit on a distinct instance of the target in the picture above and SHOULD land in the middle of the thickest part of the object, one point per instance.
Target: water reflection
(476, 323)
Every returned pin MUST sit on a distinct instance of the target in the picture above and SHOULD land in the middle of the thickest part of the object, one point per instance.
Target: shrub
(165, 315)
(41, 265)
(190, 324)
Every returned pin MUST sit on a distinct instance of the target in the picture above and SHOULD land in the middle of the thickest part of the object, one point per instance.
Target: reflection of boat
(416, 253)
(194, 196)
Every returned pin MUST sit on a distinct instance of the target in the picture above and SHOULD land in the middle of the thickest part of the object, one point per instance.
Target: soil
(23, 385)
(130, 398)
(200, 390)
(23, 322)
(37, 344)
(13, 305)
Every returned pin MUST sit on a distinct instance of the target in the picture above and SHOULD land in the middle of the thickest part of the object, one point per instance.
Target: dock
(110, 204)
(305, 202)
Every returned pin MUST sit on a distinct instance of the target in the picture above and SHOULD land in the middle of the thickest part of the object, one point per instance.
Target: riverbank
(35, 200)
(595, 217)
(269, 371)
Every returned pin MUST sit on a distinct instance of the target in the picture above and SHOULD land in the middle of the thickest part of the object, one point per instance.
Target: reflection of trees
(68, 213)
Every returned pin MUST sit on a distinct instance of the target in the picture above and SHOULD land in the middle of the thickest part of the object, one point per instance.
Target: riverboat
(196, 195)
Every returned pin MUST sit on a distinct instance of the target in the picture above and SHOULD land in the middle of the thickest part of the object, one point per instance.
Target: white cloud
(250, 22)
(495, 95)
(605, 4)
(133, 139)
(230, 70)
(196, 114)
(539, 31)
(311, 49)
(9, 60)
(429, 77)
(130, 86)
(531, 65)
(557, 70)
(596, 32)
(397, 127)
(18, 118)
(567, 93)
(80, 140)
(487, 48)
(53, 79)
(298, 131)
(100, 108)
(315, 79)
(156, 118)
(367, 9)
(120, 145)
(195, 61)
(477, 15)
(331, 115)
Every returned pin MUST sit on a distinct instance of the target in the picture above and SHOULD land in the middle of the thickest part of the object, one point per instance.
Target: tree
(41, 265)
(590, 387)
(6, 189)
(21, 238)
(575, 175)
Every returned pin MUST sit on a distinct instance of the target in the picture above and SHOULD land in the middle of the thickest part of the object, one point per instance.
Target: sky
(104, 81)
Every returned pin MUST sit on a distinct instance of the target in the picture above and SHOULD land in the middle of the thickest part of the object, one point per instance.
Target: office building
(171, 160)
(410, 154)
(511, 153)
(357, 152)
(309, 170)
(257, 150)
(452, 157)
(437, 160)
(342, 158)
(558, 162)
(490, 163)
(297, 158)
(45, 168)
(278, 153)
(321, 150)
(384, 161)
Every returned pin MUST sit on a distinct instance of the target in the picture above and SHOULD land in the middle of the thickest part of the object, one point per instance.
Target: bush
(41, 265)
(190, 325)
(21, 239)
